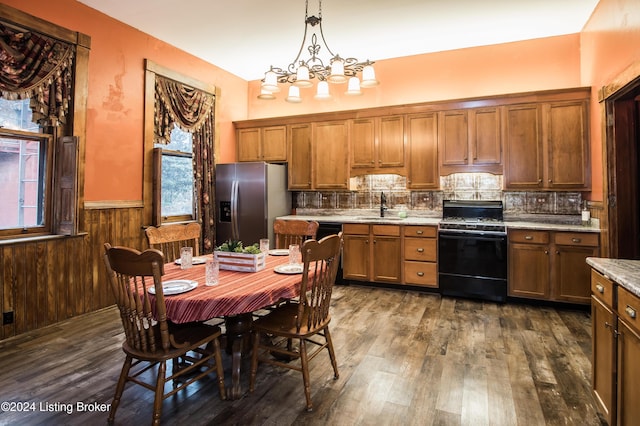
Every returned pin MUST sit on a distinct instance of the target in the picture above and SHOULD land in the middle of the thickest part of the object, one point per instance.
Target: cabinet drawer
(355, 228)
(629, 308)
(602, 288)
(421, 249)
(527, 236)
(420, 231)
(576, 238)
(392, 230)
(421, 273)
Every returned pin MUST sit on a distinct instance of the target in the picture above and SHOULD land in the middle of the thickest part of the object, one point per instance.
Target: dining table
(235, 298)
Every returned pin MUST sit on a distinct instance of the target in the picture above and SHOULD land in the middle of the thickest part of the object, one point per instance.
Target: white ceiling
(245, 37)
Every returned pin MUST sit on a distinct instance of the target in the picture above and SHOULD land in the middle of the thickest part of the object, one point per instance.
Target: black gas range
(472, 250)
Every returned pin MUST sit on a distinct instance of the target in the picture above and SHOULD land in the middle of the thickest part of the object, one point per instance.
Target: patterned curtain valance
(39, 68)
(178, 103)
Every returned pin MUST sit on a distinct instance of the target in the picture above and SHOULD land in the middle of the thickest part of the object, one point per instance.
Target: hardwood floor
(405, 358)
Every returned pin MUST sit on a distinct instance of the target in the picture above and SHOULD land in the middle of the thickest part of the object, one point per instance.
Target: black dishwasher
(331, 228)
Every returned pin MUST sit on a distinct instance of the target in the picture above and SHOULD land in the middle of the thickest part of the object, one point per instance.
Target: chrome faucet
(383, 201)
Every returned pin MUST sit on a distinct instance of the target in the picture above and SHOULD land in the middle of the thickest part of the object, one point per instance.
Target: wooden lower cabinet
(371, 253)
(551, 265)
(420, 256)
(616, 351)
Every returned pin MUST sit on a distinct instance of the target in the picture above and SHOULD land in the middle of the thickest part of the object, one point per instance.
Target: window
(176, 177)
(25, 160)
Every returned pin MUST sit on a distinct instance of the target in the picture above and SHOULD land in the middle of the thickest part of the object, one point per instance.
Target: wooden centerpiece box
(243, 262)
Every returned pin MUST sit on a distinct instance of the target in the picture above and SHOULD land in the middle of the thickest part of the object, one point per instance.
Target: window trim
(77, 126)
(157, 167)
(48, 140)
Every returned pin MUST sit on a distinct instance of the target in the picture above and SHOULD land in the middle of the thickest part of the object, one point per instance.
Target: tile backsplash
(365, 192)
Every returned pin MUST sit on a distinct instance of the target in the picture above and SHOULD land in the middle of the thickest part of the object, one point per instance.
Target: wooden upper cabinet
(330, 145)
(377, 144)
(363, 143)
(568, 144)
(453, 138)
(470, 140)
(547, 146)
(262, 144)
(522, 130)
(422, 139)
(299, 169)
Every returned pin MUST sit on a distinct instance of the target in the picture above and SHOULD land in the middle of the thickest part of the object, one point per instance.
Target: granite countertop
(623, 271)
(391, 218)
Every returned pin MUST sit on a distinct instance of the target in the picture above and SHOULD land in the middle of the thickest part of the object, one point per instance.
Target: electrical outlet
(7, 318)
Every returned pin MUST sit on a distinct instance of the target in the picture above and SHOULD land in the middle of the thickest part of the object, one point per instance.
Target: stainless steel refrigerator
(250, 196)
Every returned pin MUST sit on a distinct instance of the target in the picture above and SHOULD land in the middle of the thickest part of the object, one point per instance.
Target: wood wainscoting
(49, 280)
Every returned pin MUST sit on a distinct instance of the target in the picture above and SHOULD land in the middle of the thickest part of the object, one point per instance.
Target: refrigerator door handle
(234, 210)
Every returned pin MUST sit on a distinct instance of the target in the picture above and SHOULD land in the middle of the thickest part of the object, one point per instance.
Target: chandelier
(300, 72)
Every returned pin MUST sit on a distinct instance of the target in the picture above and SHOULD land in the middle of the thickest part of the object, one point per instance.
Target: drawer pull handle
(420, 250)
(607, 325)
(419, 232)
(528, 237)
(630, 311)
(420, 274)
(576, 240)
(600, 288)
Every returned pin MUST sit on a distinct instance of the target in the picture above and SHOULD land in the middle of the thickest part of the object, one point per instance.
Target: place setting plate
(289, 269)
(196, 260)
(279, 252)
(175, 287)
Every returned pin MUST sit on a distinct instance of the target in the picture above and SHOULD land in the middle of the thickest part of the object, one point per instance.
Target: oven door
(472, 253)
(473, 264)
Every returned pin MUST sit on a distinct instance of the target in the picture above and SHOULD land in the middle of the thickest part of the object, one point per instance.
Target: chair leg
(219, 370)
(304, 361)
(254, 361)
(332, 354)
(157, 401)
(124, 373)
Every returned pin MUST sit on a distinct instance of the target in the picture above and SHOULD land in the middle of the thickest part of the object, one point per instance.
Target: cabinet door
(523, 147)
(274, 143)
(486, 141)
(391, 142)
(628, 375)
(602, 377)
(453, 139)
(249, 144)
(422, 137)
(572, 275)
(363, 143)
(529, 267)
(331, 155)
(355, 257)
(299, 169)
(567, 139)
(386, 259)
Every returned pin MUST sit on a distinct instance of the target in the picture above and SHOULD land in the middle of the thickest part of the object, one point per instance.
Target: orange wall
(610, 43)
(540, 64)
(116, 87)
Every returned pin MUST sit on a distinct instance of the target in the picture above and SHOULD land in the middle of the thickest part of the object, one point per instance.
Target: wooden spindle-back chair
(151, 340)
(287, 232)
(169, 239)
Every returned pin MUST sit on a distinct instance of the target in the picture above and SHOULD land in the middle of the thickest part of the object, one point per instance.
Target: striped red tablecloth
(236, 292)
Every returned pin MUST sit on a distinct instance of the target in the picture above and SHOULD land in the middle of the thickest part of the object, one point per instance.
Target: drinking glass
(186, 257)
(294, 254)
(212, 270)
(264, 244)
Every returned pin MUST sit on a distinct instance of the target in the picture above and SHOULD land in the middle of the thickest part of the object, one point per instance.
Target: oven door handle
(472, 236)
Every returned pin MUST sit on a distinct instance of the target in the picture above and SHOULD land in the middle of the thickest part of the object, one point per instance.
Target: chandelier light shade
(322, 65)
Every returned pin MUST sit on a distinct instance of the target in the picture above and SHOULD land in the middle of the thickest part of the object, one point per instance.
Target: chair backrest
(321, 260)
(287, 232)
(131, 272)
(169, 239)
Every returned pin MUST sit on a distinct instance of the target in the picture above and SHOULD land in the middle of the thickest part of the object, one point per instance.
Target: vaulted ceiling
(245, 37)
